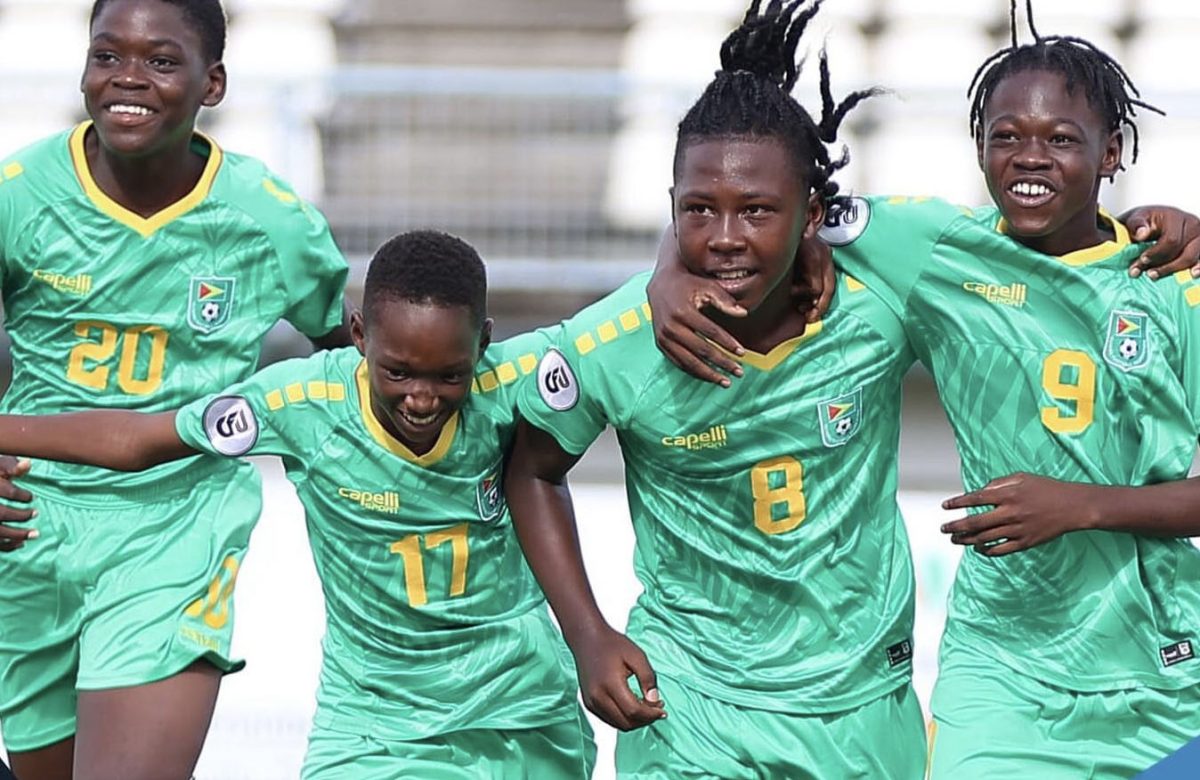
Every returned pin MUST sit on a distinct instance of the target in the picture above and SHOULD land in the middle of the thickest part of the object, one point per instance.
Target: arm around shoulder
(111, 439)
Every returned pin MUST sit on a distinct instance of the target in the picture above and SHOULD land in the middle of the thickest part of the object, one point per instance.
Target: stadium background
(541, 131)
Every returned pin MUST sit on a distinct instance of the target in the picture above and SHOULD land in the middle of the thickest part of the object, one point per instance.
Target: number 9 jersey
(775, 563)
(107, 308)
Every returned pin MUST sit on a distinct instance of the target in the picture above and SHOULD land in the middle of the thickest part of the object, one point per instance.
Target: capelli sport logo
(556, 382)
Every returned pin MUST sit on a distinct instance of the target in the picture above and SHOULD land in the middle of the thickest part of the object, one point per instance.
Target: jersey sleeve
(587, 379)
(887, 243)
(277, 411)
(313, 269)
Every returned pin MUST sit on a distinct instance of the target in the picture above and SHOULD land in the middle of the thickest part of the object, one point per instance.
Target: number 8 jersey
(106, 308)
(1068, 368)
(775, 564)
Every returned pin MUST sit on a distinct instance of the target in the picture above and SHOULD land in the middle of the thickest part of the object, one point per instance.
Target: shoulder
(248, 184)
(325, 379)
(38, 168)
(857, 302)
(623, 315)
(505, 363)
(889, 218)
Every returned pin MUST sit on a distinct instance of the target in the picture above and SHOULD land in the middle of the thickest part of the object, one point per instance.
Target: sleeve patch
(556, 382)
(230, 425)
(846, 222)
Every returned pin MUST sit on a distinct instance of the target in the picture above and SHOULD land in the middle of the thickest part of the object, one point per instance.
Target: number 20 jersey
(109, 309)
(775, 564)
(1068, 368)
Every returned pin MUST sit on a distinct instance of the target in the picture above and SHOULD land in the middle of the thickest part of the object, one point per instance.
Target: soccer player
(440, 659)
(141, 266)
(777, 612)
(1078, 653)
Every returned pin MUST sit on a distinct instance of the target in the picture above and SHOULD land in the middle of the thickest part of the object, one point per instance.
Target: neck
(1086, 229)
(775, 321)
(148, 184)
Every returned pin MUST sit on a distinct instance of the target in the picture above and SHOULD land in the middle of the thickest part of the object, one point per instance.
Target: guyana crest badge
(840, 418)
(489, 495)
(1128, 345)
(210, 302)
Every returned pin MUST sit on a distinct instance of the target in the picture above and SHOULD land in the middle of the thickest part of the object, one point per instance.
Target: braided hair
(1106, 85)
(751, 94)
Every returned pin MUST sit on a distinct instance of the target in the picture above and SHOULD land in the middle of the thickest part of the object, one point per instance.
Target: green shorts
(562, 751)
(990, 723)
(702, 737)
(116, 594)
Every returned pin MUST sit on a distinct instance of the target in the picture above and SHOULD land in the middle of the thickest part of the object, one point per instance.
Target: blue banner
(1183, 764)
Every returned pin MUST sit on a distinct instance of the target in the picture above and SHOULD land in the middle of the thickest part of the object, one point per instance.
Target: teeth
(124, 109)
(1029, 189)
(731, 275)
(419, 420)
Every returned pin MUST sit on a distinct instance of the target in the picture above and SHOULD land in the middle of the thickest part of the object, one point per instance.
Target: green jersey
(1068, 368)
(434, 622)
(775, 565)
(109, 309)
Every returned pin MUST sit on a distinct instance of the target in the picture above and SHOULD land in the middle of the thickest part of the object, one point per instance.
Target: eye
(1059, 139)
(758, 210)
(1003, 135)
(103, 57)
(396, 374)
(162, 63)
(456, 378)
(697, 208)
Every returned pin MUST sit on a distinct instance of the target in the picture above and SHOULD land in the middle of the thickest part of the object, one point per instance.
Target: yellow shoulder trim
(389, 442)
(144, 226)
(1091, 254)
(783, 350)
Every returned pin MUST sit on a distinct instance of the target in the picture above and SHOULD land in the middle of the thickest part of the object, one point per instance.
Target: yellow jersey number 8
(778, 489)
(89, 363)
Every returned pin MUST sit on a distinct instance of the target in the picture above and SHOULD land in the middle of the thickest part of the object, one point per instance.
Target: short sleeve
(274, 412)
(1188, 317)
(314, 273)
(592, 374)
(887, 243)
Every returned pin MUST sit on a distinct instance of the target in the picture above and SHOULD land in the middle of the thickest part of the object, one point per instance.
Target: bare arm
(1029, 510)
(544, 519)
(111, 439)
(1176, 236)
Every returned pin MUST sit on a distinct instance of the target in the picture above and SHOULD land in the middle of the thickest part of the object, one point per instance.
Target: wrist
(584, 630)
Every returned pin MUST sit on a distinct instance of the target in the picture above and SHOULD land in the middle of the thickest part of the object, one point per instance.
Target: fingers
(692, 344)
(1170, 262)
(716, 297)
(981, 537)
(15, 538)
(1177, 247)
(689, 362)
(619, 707)
(11, 468)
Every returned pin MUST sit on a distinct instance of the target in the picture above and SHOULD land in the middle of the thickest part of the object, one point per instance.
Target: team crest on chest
(210, 302)
(1128, 345)
(489, 495)
(840, 418)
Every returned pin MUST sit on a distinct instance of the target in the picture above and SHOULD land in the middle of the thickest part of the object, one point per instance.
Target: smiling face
(1044, 151)
(740, 211)
(147, 77)
(420, 361)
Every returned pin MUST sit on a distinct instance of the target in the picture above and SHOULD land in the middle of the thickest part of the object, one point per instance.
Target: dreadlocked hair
(750, 97)
(1106, 85)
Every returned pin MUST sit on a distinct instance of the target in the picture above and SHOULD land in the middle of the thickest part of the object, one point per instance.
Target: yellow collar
(144, 226)
(391, 443)
(1091, 254)
(780, 351)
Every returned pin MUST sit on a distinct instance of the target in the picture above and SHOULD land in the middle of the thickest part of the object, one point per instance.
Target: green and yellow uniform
(778, 588)
(438, 643)
(131, 578)
(1068, 368)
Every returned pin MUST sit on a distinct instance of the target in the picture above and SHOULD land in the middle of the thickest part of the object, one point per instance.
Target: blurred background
(541, 131)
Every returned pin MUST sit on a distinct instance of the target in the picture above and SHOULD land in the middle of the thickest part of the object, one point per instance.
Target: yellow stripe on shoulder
(299, 392)
(12, 170)
(853, 285)
(609, 331)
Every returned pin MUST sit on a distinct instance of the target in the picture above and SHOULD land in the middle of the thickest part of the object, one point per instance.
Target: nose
(421, 401)
(130, 74)
(1032, 155)
(727, 237)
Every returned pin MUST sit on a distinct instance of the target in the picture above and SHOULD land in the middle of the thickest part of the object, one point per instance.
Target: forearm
(111, 439)
(1167, 509)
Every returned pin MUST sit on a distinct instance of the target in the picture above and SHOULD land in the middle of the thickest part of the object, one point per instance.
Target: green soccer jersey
(109, 309)
(434, 622)
(775, 565)
(1068, 368)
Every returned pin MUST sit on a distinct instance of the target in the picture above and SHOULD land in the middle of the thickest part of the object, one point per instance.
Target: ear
(1113, 150)
(358, 332)
(214, 91)
(671, 195)
(485, 336)
(979, 149)
(816, 215)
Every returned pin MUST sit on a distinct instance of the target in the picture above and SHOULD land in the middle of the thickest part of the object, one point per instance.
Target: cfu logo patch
(840, 418)
(489, 494)
(230, 425)
(556, 382)
(210, 301)
(846, 221)
(1128, 345)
